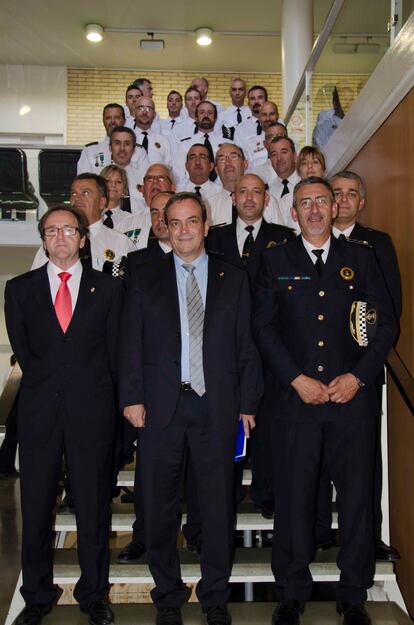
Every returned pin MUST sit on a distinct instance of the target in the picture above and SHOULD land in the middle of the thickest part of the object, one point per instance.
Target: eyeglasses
(68, 231)
(233, 156)
(151, 178)
(320, 201)
(146, 109)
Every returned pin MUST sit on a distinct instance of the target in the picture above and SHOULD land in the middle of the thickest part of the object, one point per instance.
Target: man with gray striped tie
(189, 372)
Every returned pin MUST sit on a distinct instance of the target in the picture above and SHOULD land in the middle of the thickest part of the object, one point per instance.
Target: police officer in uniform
(320, 383)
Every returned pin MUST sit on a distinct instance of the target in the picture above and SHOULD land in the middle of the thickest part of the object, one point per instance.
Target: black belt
(186, 386)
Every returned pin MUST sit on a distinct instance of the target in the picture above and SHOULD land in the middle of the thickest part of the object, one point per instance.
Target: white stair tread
(251, 564)
(126, 477)
(316, 613)
(123, 517)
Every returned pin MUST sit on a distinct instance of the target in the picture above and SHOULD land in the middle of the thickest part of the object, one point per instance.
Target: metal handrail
(9, 393)
(402, 378)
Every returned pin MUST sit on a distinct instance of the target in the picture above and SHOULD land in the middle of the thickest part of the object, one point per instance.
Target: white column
(297, 42)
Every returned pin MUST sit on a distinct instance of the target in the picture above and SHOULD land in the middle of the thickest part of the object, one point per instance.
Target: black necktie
(85, 255)
(248, 242)
(108, 222)
(285, 183)
(259, 129)
(213, 173)
(195, 128)
(145, 142)
(239, 117)
(197, 191)
(172, 123)
(319, 262)
(342, 237)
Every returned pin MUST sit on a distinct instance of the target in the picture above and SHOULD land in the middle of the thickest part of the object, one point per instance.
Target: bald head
(250, 198)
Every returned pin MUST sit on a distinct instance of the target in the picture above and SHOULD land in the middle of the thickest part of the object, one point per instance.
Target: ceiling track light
(204, 36)
(94, 32)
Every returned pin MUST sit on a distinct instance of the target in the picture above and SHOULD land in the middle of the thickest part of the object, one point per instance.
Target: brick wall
(90, 89)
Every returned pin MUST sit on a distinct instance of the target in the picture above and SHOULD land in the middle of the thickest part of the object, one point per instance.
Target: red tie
(63, 301)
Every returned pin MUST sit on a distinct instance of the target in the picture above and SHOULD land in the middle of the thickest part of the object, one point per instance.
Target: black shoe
(66, 506)
(385, 552)
(194, 548)
(288, 613)
(353, 613)
(33, 614)
(99, 613)
(131, 553)
(169, 616)
(9, 475)
(127, 496)
(266, 509)
(218, 615)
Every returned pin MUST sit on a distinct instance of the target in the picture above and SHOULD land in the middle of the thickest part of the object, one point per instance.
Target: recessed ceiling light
(94, 32)
(204, 36)
(24, 110)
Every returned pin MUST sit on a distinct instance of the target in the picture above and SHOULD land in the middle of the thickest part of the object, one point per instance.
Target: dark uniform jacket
(223, 242)
(301, 322)
(387, 260)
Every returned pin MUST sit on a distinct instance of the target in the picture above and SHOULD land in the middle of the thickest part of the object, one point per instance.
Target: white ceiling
(51, 32)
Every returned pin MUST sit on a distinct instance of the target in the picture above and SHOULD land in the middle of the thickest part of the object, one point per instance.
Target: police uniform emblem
(271, 244)
(363, 322)
(109, 254)
(347, 273)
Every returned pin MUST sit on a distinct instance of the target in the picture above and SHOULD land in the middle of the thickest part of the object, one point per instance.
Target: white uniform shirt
(136, 227)
(94, 157)
(159, 147)
(242, 233)
(286, 202)
(221, 209)
(265, 171)
(106, 244)
(207, 189)
(229, 116)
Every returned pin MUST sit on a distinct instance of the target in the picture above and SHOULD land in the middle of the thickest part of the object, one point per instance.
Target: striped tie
(195, 311)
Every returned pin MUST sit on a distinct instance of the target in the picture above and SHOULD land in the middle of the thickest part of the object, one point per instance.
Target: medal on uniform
(109, 254)
(347, 273)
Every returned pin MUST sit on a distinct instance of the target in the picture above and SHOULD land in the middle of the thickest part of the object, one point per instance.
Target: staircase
(251, 565)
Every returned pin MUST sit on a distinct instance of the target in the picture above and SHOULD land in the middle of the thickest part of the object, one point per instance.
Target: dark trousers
(162, 460)
(89, 469)
(347, 447)
(324, 507)
(261, 488)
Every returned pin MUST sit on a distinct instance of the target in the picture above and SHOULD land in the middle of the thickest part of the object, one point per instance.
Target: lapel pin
(93, 289)
(271, 244)
(221, 274)
(347, 273)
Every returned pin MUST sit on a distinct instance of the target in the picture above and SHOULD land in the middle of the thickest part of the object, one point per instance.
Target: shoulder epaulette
(217, 226)
(358, 242)
(271, 244)
(91, 143)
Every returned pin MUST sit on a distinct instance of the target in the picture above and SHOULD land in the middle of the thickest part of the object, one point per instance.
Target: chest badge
(347, 273)
(109, 254)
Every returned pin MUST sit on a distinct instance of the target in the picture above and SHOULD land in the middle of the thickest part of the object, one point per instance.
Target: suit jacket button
(320, 368)
(321, 293)
(321, 344)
